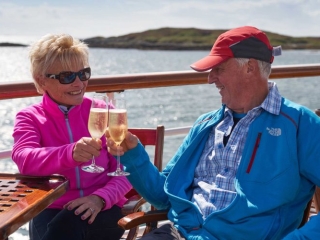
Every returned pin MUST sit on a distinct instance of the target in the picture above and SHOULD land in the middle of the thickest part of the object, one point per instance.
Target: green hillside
(186, 39)
(190, 39)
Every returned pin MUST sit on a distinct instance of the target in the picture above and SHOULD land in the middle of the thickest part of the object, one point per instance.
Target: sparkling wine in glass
(97, 125)
(118, 127)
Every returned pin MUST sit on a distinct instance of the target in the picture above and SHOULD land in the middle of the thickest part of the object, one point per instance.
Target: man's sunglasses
(70, 77)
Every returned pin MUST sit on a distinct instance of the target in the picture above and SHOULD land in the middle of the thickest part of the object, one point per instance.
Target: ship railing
(4, 154)
(122, 82)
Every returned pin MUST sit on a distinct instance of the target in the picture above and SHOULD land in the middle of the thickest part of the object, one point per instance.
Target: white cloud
(113, 18)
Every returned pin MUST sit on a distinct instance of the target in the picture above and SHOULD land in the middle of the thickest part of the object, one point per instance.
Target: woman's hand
(88, 206)
(130, 141)
(85, 148)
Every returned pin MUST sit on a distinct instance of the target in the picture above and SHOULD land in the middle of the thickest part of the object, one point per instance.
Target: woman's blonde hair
(51, 49)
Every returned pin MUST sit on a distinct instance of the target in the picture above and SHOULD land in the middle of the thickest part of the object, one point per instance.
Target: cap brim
(208, 62)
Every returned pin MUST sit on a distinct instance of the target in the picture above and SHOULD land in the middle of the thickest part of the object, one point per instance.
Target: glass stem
(118, 159)
(93, 163)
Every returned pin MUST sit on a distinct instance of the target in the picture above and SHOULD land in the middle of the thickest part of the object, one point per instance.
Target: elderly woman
(52, 137)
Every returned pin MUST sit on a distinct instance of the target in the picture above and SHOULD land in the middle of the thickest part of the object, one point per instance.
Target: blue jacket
(276, 178)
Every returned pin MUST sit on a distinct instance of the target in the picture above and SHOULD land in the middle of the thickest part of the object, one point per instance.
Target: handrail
(114, 83)
(4, 154)
(149, 80)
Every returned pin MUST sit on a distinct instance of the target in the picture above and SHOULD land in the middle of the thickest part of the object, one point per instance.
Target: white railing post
(168, 132)
(5, 154)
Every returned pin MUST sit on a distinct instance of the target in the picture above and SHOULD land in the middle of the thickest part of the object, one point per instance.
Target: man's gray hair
(264, 67)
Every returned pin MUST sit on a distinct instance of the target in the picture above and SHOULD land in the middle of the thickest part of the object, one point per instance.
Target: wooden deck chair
(138, 218)
(148, 137)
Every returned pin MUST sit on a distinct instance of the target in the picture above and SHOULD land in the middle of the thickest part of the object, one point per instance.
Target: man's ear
(252, 65)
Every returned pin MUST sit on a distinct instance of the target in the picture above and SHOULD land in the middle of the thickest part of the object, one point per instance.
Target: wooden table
(23, 197)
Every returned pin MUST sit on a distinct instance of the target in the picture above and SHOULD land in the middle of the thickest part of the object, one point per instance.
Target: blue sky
(30, 19)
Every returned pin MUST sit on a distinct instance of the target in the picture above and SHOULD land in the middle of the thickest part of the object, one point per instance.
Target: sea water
(169, 106)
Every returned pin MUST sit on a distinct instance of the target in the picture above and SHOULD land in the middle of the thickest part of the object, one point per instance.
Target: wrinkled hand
(90, 206)
(86, 148)
(129, 142)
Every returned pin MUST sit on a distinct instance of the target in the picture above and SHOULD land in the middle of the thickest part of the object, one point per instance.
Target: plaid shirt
(215, 173)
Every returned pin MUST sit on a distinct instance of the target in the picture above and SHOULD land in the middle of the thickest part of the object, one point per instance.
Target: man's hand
(130, 141)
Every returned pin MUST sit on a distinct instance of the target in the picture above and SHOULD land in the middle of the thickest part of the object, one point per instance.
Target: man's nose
(211, 77)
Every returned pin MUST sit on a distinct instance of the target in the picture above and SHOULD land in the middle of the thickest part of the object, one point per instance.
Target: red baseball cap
(242, 42)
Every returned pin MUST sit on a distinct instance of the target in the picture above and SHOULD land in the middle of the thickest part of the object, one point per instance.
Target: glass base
(118, 174)
(92, 169)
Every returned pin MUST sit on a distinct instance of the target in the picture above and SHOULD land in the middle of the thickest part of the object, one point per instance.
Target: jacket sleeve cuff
(132, 155)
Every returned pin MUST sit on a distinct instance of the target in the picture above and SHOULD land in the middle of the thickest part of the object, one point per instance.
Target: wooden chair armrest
(133, 204)
(316, 199)
(135, 219)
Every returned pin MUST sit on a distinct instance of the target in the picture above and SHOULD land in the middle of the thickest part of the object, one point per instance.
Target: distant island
(190, 39)
(186, 39)
(7, 44)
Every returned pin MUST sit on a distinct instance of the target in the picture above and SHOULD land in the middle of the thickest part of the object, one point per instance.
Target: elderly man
(244, 171)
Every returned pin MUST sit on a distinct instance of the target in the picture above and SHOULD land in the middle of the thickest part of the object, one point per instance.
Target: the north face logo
(274, 131)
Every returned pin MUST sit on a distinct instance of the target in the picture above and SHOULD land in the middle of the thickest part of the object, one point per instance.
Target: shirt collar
(65, 109)
(272, 103)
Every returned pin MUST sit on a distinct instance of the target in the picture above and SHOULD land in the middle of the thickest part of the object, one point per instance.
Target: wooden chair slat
(148, 137)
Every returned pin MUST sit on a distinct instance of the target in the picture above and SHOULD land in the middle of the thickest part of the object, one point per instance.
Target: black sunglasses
(70, 77)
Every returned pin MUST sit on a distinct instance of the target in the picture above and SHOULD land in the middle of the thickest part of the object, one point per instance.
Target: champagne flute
(97, 125)
(118, 127)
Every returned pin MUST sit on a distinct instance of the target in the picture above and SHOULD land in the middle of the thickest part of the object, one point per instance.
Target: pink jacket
(44, 137)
